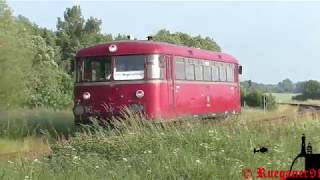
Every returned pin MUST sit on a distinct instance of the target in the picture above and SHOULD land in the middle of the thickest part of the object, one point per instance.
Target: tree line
(253, 93)
(36, 64)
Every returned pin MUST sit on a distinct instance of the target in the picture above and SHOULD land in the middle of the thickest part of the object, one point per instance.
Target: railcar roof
(149, 47)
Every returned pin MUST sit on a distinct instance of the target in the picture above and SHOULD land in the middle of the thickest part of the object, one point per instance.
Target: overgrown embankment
(189, 149)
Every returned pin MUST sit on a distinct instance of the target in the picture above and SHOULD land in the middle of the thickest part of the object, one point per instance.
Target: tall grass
(193, 149)
(20, 123)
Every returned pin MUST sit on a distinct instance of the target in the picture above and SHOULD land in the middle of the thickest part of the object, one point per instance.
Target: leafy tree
(28, 65)
(4, 8)
(187, 40)
(15, 62)
(74, 32)
(121, 37)
(312, 89)
(69, 34)
(299, 86)
(286, 85)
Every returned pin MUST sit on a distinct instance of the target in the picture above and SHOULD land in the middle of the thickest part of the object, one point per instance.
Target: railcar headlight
(139, 94)
(113, 48)
(86, 95)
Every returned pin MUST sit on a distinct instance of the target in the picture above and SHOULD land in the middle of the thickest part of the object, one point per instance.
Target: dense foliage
(187, 40)
(253, 97)
(310, 90)
(30, 74)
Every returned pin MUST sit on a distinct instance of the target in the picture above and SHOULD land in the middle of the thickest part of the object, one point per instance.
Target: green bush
(299, 97)
(271, 103)
(255, 98)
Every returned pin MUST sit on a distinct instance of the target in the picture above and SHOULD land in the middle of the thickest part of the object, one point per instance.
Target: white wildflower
(76, 158)
(175, 151)
(149, 170)
(68, 147)
(36, 161)
(198, 161)
(26, 177)
(97, 167)
(10, 162)
(125, 159)
(147, 152)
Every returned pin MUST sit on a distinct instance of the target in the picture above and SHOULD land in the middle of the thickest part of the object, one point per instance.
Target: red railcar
(159, 79)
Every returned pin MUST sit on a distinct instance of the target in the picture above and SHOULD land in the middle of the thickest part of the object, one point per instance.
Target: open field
(209, 149)
(287, 98)
(284, 97)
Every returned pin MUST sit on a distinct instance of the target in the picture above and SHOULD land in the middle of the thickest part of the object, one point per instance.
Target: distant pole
(264, 103)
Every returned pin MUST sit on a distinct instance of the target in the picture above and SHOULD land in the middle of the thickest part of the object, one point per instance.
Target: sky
(272, 40)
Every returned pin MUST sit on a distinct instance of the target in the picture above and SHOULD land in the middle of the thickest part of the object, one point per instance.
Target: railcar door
(181, 91)
(170, 85)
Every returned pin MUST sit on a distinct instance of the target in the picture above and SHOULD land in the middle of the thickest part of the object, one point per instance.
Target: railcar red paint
(165, 96)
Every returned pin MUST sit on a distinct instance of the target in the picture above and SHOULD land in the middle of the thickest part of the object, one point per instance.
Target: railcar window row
(203, 70)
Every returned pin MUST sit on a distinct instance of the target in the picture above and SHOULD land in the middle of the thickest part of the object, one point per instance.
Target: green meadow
(44, 144)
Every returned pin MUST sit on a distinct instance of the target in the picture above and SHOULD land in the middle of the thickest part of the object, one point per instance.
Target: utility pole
(264, 102)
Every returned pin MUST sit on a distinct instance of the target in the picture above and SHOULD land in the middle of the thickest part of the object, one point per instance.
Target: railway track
(303, 110)
(304, 107)
(312, 110)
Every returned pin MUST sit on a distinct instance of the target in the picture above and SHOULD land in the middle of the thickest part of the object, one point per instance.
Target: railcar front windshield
(121, 68)
(93, 69)
(129, 67)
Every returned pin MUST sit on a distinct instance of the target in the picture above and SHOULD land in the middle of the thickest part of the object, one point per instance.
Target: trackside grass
(187, 149)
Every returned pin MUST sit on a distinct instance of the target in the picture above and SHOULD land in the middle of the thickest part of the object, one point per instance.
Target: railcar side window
(180, 68)
(215, 72)
(129, 67)
(207, 73)
(94, 69)
(230, 72)
(156, 67)
(199, 72)
(79, 70)
(204, 70)
(222, 70)
(189, 71)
